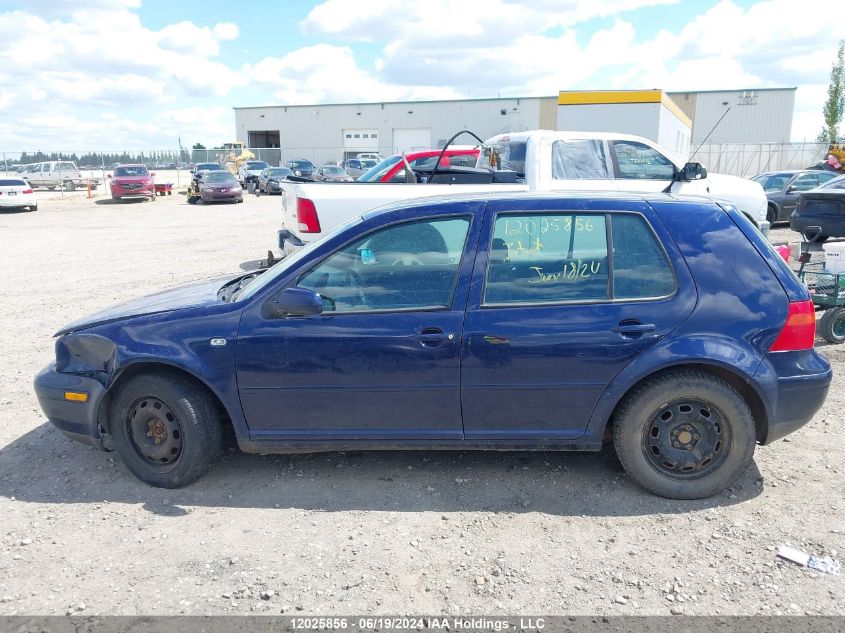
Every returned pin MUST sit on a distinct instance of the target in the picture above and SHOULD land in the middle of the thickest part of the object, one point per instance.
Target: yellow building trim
(603, 97)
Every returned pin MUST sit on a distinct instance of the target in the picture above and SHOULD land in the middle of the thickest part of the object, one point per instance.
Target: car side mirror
(298, 302)
(693, 171)
(791, 189)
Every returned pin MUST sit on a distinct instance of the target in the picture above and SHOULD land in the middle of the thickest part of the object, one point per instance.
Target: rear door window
(544, 258)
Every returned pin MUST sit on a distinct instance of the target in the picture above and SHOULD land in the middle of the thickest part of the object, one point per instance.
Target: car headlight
(297, 173)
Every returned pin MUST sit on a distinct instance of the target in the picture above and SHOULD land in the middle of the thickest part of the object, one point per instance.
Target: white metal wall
(316, 132)
(755, 116)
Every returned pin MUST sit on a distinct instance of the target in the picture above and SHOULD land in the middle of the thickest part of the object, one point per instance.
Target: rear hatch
(825, 203)
(13, 187)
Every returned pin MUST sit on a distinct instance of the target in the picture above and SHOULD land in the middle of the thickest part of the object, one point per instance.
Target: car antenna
(713, 129)
(668, 188)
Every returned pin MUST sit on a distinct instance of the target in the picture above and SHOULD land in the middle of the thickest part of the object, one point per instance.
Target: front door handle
(433, 336)
(633, 328)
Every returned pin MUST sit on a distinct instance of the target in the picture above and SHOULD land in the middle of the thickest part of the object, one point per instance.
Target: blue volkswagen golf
(666, 326)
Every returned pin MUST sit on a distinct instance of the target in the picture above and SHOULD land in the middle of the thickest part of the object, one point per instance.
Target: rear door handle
(634, 328)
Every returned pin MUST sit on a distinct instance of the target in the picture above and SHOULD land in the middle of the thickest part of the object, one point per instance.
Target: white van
(56, 174)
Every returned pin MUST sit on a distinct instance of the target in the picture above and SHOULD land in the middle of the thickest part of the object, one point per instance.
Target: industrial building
(675, 120)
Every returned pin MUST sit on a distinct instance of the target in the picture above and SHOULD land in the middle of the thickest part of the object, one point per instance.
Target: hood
(746, 195)
(194, 295)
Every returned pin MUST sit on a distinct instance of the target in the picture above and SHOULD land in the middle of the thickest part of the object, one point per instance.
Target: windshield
(770, 182)
(335, 171)
(276, 271)
(257, 165)
(377, 172)
(207, 166)
(300, 164)
(279, 172)
(219, 177)
(130, 171)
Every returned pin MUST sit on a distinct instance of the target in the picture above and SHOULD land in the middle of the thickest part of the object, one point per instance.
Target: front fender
(714, 351)
(182, 341)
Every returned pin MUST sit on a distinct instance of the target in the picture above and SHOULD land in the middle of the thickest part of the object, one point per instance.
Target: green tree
(834, 107)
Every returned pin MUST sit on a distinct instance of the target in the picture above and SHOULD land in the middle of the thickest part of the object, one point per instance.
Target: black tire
(719, 443)
(772, 215)
(195, 432)
(832, 325)
(33, 207)
(69, 186)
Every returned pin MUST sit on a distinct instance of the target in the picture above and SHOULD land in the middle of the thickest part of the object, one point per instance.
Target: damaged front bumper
(57, 394)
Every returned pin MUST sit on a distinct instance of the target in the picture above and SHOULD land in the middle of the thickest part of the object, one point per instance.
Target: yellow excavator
(234, 155)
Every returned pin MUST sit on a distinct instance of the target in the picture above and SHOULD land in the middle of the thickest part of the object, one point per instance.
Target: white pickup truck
(539, 160)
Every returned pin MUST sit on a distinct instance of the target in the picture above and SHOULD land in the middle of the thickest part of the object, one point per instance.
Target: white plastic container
(834, 257)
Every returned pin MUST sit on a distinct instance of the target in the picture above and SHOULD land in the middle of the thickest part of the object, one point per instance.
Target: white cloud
(325, 73)
(94, 68)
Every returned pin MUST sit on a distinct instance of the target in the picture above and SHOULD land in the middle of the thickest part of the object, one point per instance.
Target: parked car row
(806, 197)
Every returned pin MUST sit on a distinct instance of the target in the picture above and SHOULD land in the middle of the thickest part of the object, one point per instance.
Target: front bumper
(220, 196)
(77, 420)
(800, 383)
(144, 192)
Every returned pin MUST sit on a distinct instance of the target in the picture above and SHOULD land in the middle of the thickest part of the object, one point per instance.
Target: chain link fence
(748, 159)
(736, 159)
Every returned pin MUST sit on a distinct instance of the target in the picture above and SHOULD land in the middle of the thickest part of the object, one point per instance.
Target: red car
(393, 169)
(132, 181)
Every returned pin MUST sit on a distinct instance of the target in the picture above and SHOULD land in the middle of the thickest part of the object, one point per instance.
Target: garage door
(407, 139)
(360, 141)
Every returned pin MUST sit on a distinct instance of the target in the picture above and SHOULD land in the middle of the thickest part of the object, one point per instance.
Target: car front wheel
(166, 428)
(684, 435)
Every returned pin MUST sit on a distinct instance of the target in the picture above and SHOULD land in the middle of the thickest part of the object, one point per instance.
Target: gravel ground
(387, 533)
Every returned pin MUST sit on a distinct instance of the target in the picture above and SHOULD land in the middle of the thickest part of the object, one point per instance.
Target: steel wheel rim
(155, 432)
(686, 439)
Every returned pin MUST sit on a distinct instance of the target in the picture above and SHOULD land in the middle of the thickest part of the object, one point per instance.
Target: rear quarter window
(641, 269)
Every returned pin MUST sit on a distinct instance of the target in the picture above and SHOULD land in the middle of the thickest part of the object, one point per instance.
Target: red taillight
(306, 216)
(799, 331)
(27, 191)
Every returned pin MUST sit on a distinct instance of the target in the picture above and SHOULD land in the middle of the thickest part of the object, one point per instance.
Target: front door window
(638, 161)
(402, 267)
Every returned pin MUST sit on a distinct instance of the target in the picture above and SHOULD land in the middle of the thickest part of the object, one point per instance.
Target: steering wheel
(407, 260)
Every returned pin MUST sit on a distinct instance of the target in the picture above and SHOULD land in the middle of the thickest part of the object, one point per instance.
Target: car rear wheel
(166, 428)
(832, 325)
(684, 435)
(33, 207)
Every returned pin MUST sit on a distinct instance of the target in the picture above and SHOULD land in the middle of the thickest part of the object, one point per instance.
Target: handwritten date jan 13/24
(573, 270)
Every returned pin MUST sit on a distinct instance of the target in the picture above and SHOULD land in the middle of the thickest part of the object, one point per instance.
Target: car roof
(575, 196)
(130, 165)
